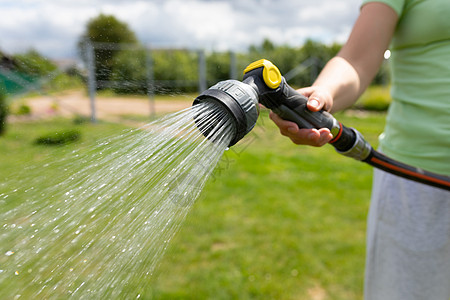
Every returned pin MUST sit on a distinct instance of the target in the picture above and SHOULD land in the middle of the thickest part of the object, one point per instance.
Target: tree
(217, 67)
(129, 72)
(105, 31)
(3, 111)
(286, 58)
(176, 66)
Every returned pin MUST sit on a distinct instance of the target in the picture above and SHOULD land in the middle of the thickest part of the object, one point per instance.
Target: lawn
(275, 221)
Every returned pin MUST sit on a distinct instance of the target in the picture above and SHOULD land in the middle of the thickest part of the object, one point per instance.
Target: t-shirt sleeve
(396, 5)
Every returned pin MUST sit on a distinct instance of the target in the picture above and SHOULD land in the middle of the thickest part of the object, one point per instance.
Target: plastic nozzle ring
(271, 74)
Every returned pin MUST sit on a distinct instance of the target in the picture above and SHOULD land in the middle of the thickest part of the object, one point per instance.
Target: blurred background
(73, 72)
(157, 47)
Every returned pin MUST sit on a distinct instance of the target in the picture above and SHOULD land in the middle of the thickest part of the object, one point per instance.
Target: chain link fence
(138, 70)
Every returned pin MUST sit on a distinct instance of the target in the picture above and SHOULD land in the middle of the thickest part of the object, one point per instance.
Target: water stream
(100, 228)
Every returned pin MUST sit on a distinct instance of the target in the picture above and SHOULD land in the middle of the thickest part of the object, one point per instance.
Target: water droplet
(9, 253)
(16, 272)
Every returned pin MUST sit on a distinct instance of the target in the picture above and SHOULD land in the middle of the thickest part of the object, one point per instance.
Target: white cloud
(53, 27)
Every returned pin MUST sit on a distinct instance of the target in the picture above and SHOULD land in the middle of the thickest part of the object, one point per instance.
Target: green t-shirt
(417, 128)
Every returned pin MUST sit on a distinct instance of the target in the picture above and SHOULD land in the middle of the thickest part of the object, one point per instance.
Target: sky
(53, 27)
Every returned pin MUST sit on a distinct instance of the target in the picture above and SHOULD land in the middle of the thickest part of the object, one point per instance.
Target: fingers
(318, 98)
(312, 137)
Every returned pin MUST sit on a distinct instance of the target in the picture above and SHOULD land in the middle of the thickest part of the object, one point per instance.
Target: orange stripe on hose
(338, 135)
(408, 172)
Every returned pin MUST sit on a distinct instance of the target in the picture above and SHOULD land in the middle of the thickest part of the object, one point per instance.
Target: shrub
(59, 138)
(375, 98)
(79, 119)
(23, 110)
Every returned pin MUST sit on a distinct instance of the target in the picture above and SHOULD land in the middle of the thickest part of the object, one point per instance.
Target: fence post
(91, 79)
(314, 70)
(201, 71)
(233, 66)
(150, 81)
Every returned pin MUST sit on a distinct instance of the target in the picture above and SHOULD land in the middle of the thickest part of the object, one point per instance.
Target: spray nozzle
(238, 100)
(263, 83)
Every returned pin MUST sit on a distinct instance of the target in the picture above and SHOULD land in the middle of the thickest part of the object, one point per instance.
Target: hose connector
(361, 148)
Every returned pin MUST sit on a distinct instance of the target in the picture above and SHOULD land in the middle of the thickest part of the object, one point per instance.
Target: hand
(317, 99)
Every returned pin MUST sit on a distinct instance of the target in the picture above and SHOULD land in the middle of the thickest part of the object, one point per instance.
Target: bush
(375, 98)
(34, 64)
(3, 112)
(79, 119)
(23, 110)
(59, 138)
(63, 82)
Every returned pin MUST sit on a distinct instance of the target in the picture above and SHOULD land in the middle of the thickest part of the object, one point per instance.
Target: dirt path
(72, 103)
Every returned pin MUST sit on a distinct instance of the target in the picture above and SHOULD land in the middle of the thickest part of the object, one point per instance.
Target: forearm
(346, 76)
(342, 81)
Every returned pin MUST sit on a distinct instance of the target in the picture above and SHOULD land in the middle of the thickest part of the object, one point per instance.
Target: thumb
(318, 98)
(315, 103)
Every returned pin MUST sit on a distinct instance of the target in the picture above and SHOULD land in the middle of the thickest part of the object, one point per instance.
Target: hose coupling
(361, 148)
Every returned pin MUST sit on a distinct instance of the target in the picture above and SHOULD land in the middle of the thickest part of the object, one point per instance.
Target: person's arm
(346, 76)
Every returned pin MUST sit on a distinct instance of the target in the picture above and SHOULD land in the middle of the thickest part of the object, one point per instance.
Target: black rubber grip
(297, 102)
(291, 115)
(343, 141)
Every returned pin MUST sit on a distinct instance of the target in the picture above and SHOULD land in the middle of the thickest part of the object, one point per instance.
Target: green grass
(18, 148)
(275, 221)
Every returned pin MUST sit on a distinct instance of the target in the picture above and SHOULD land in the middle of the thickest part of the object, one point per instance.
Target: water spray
(263, 83)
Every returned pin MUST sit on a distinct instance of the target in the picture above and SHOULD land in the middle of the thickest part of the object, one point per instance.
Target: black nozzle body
(238, 100)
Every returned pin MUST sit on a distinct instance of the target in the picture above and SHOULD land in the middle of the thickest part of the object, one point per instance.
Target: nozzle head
(239, 100)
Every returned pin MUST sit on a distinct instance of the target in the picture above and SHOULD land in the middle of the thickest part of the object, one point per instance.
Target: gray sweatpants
(408, 241)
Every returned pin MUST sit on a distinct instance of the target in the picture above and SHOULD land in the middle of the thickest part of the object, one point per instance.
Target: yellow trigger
(271, 74)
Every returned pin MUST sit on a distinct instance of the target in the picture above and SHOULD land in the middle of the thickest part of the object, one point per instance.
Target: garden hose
(263, 83)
